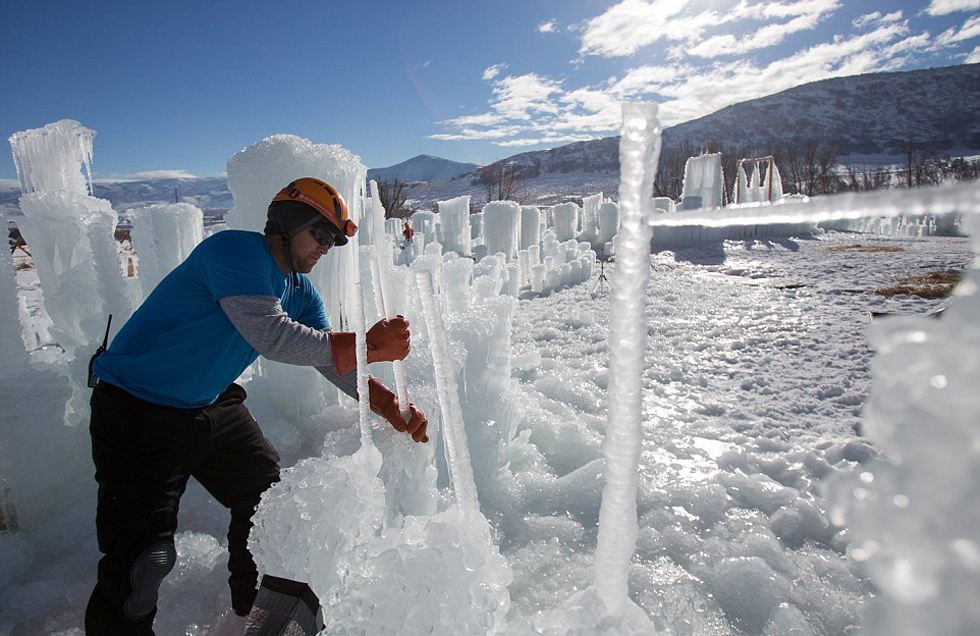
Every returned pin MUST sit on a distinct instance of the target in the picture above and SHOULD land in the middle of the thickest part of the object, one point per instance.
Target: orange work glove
(387, 340)
(385, 403)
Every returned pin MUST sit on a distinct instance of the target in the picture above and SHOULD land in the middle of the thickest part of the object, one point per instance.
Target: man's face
(306, 250)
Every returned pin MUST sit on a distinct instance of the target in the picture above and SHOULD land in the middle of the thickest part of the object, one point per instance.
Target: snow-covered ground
(756, 373)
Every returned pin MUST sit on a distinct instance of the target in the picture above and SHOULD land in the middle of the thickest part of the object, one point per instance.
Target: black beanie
(285, 216)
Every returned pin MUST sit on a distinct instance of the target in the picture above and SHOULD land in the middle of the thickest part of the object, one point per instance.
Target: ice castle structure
(703, 182)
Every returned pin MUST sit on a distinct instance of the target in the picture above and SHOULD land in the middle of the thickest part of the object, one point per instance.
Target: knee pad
(148, 571)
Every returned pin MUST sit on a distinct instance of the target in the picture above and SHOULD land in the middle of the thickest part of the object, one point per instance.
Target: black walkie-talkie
(93, 380)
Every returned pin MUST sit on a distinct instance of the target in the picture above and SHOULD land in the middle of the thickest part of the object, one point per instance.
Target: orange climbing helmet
(322, 198)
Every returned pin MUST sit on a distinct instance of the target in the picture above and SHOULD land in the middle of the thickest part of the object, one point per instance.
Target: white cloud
(969, 30)
(547, 27)
(155, 174)
(493, 71)
(626, 27)
(876, 18)
(809, 16)
(973, 57)
(520, 97)
(945, 7)
(546, 139)
(533, 109)
(632, 24)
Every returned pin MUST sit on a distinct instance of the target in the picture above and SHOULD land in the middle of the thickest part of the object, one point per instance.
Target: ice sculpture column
(639, 150)
(71, 235)
(164, 235)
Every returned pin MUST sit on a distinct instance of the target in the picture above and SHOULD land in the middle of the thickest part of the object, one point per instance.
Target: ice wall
(163, 236)
(455, 225)
(703, 182)
(255, 175)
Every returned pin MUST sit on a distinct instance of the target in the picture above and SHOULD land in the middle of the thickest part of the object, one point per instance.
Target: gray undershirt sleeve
(265, 325)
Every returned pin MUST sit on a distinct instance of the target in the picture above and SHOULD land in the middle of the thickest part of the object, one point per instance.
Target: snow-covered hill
(874, 114)
(422, 168)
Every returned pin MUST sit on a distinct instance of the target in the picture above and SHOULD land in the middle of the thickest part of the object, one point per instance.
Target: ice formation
(458, 454)
(565, 220)
(914, 514)
(502, 220)
(763, 184)
(530, 226)
(703, 182)
(590, 218)
(70, 234)
(639, 152)
(163, 236)
(51, 159)
(454, 225)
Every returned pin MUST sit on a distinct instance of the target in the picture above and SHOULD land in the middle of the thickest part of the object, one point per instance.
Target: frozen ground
(756, 372)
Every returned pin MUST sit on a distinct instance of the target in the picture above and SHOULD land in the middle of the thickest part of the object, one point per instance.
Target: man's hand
(389, 340)
(385, 403)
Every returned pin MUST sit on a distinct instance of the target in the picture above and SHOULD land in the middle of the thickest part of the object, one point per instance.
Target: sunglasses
(324, 236)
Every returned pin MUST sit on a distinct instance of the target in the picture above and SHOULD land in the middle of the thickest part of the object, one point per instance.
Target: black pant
(144, 454)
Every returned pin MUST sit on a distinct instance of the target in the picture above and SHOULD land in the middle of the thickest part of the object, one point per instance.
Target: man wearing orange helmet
(166, 408)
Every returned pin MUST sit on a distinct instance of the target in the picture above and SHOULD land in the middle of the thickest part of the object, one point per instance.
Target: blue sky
(182, 86)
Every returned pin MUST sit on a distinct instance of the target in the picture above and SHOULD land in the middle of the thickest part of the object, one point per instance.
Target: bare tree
(503, 181)
(921, 166)
(394, 199)
(809, 168)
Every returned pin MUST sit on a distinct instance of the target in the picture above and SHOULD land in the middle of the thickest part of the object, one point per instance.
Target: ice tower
(71, 234)
(255, 175)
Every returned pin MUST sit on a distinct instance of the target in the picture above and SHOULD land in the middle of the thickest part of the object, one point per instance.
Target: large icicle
(360, 342)
(460, 468)
(639, 150)
(382, 251)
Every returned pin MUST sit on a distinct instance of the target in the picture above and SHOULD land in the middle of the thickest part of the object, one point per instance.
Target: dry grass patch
(857, 247)
(929, 285)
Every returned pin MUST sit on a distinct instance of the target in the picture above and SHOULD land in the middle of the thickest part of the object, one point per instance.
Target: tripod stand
(600, 284)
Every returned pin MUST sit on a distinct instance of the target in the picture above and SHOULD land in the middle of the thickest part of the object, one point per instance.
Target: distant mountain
(422, 168)
(211, 194)
(867, 117)
(871, 115)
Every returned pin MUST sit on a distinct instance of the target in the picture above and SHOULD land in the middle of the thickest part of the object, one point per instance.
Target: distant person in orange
(408, 232)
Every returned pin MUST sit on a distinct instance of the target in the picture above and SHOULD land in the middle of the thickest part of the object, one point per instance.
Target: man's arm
(268, 328)
(264, 324)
